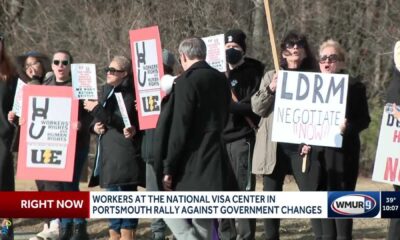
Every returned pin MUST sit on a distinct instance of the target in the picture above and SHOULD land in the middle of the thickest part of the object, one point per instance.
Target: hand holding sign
(89, 105)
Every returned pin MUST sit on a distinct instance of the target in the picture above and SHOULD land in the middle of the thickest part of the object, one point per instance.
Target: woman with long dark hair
(275, 160)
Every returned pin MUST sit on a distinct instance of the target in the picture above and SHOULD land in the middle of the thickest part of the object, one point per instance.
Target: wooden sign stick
(271, 35)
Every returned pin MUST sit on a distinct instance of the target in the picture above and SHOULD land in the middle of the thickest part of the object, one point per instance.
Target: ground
(290, 228)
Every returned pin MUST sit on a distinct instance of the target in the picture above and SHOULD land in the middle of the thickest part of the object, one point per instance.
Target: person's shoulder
(254, 64)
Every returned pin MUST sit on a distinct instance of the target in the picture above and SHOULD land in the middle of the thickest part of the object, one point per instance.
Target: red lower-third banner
(44, 204)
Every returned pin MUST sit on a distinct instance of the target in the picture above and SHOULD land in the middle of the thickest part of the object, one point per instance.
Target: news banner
(364, 204)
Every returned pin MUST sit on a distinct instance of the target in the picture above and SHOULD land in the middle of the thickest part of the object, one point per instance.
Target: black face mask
(233, 56)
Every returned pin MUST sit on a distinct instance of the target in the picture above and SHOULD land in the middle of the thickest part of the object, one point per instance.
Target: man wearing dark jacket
(195, 159)
(244, 76)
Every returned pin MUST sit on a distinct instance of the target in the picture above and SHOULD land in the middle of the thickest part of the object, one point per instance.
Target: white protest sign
(122, 109)
(84, 81)
(387, 166)
(309, 108)
(17, 105)
(216, 52)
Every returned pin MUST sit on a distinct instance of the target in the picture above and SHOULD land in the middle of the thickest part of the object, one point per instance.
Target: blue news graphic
(390, 205)
(353, 204)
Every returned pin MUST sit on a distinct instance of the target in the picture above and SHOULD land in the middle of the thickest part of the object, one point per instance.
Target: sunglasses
(112, 70)
(63, 62)
(31, 65)
(298, 43)
(330, 59)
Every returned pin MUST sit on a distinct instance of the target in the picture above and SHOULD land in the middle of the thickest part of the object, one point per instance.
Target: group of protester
(213, 134)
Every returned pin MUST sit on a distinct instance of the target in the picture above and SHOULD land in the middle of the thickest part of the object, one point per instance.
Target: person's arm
(360, 118)
(182, 118)
(262, 102)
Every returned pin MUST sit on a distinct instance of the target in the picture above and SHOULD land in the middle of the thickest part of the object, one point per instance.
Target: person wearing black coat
(195, 156)
(244, 76)
(339, 166)
(70, 228)
(118, 166)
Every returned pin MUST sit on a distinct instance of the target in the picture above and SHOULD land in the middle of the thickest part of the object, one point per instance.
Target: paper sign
(122, 109)
(84, 80)
(309, 108)
(17, 105)
(216, 56)
(148, 69)
(48, 133)
(387, 164)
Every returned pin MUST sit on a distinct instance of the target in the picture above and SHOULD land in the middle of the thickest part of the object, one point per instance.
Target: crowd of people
(213, 134)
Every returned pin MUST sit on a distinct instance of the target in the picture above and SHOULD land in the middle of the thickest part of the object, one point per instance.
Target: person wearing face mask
(244, 76)
(339, 166)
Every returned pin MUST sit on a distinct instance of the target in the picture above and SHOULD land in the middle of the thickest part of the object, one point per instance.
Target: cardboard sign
(122, 109)
(17, 105)
(216, 56)
(387, 164)
(309, 108)
(147, 70)
(48, 133)
(84, 80)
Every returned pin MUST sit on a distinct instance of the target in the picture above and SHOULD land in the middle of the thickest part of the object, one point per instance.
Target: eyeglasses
(112, 70)
(330, 58)
(298, 43)
(63, 62)
(31, 65)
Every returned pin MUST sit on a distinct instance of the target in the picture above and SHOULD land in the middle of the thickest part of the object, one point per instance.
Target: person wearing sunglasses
(8, 82)
(118, 165)
(61, 66)
(275, 160)
(393, 96)
(340, 166)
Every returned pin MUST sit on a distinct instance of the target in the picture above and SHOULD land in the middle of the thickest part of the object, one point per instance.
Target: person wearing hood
(244, 76)
(339, 166)
(118, 165)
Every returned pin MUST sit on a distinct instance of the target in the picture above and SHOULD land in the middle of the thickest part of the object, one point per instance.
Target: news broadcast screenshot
(199, 120)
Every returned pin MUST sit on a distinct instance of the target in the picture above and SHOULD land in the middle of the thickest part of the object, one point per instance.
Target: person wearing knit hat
(244, 76)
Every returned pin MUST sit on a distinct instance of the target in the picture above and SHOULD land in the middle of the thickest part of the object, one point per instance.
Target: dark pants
(116, 223)
(240, 154)
(158, 225)
(394, 226)
(288, 162)
(80, 159)
(339, 173)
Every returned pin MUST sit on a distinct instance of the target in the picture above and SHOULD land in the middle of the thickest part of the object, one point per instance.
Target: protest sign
(17, 105)
(48, 133)
(387, 167)
(122, 109)
(148, 69)
(84, 80)
(216, 52)
(309, 108)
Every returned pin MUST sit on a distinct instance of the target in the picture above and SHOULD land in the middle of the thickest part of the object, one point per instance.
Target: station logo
(353, 204)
